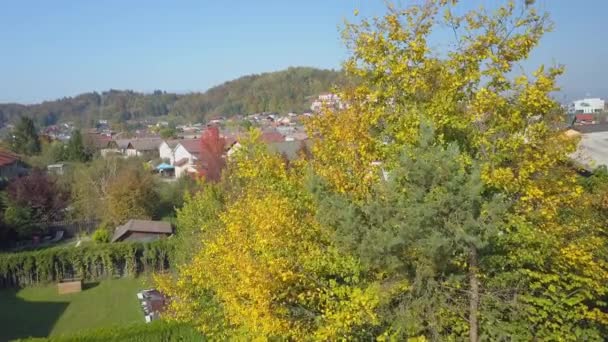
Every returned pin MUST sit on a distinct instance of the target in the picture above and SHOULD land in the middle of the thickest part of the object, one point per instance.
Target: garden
(39, 311)
(111, 275)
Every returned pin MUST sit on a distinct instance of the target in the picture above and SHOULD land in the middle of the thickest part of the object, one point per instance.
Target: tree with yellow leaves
(266, 268)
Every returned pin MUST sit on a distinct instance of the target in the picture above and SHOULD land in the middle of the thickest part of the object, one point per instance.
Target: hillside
(281, 91)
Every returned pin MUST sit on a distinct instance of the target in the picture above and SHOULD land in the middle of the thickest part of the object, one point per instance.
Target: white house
(182, 154)
(326, 100)
(588, 106)
(166, 149)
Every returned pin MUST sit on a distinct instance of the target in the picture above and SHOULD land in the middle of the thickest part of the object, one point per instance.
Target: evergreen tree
(75, 149)
(25, 138)
(429, 227)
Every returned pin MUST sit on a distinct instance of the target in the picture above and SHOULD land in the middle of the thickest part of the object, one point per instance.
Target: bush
(157, 331)
(102, 234)
(91, 262)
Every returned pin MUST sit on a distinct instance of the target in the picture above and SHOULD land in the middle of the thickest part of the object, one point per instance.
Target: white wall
(589, 106)
(165, 152)
(180, 152)
(106, 151)
(131, 152)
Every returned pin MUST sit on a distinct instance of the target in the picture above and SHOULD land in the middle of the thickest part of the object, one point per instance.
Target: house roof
(122, 143)
(585, 117)
(193, 146)
(100, 141)
(142, 226)
(172, 143)
(7, 158)
(147, 144)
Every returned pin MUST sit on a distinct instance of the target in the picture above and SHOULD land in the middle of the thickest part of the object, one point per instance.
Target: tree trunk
(473, 296)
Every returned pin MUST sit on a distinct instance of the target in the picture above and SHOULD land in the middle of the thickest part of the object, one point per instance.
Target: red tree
(41, 193)
(212, 154)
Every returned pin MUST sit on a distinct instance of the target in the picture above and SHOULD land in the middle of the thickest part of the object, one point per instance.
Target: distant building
(11, 166)
(58, 169)
(186, 154)
(584, 119)
(587, 106)
(142, 231)
(326, 100)
(101, 142)
(144, 147)
(183, 154)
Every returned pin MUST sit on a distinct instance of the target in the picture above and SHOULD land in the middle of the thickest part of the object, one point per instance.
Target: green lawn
(41, 312)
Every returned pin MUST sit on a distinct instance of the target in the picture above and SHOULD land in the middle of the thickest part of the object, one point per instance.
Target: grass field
(41, 312)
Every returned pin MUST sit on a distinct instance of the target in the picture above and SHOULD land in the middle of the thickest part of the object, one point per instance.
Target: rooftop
(144, 226)
(7, 158)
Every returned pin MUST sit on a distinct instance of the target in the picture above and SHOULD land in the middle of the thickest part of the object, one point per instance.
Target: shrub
(102, 234)
(91, 262)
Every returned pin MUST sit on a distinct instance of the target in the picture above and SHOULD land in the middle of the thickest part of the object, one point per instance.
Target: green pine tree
(25, 138)
(75, 149)
(429, 225)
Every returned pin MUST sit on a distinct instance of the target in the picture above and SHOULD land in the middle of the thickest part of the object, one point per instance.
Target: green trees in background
(132, 195)
(168, 133)
(282, 91)
(91, 184)
(115, 189)
(75, 150)
(24, 138)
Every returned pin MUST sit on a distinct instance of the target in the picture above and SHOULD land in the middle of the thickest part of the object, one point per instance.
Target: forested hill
(281, 91)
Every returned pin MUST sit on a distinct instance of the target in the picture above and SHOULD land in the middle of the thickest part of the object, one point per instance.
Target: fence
(70, 228)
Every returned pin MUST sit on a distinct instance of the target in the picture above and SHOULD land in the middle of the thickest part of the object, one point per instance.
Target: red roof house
(585, 118)
(11, 165)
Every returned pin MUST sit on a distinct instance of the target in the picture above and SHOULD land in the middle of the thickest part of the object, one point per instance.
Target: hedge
(90, 262)
(156, 331)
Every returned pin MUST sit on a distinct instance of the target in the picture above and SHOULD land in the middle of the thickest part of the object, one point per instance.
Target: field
(41, 312)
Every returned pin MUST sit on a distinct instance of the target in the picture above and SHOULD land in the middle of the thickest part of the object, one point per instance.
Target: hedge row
(157, 331)
(90, 262)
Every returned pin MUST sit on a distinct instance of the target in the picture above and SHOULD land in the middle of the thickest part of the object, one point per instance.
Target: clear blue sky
(51, 49)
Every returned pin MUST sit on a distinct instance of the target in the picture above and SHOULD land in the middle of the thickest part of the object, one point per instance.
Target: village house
(144, 147)
(148, 147)
(102, 143)
(166, 149)
(11, 166)
(182, 154)
(185, 156)
(142, 231)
